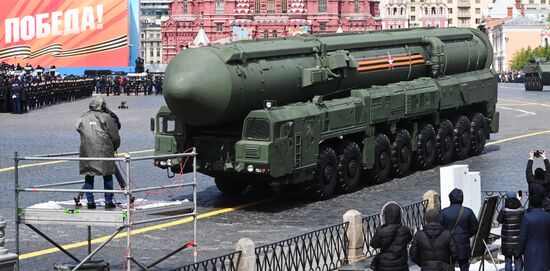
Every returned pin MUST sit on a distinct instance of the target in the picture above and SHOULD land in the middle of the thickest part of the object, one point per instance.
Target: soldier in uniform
(4, 94)
(15, 93)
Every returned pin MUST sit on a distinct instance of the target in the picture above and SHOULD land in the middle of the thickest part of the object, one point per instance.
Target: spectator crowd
(444, 241)
(130, 84)
(511, 77)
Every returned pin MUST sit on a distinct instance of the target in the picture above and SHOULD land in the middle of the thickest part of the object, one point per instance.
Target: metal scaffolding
(123, 219)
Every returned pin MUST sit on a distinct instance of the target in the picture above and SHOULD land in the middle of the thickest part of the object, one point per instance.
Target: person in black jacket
(462, 223)
(534, 237)
(541, 176)
(392, 239)
(510, 218)
(433, 248)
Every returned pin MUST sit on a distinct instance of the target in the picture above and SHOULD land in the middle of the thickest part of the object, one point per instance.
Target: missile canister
(221, 84)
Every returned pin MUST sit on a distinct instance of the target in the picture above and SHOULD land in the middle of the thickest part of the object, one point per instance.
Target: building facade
(153, 12)
(230, 20)
(513, 35)
(406, 13)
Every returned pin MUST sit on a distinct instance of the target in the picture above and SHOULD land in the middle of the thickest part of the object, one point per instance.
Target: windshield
(257, 129)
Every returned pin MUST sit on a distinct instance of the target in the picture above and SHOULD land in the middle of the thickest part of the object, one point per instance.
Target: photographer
(540, 175)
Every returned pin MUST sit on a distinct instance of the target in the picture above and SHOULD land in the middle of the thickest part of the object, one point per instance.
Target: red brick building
(230, 20)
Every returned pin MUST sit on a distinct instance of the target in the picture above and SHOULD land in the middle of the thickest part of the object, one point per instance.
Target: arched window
(284, 6)
(441, 11)
(394, 11)
(402, 11)
(184, 6)
(271, 6)
(389, 11)
(219, 6)
(322, 5)
(266, 34)
(356, 6)
(257, 6)
(274, 33)
(426, 11)
(433, 10)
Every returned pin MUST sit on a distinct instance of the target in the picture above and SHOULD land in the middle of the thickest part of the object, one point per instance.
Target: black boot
(91, 205)
(110, 205)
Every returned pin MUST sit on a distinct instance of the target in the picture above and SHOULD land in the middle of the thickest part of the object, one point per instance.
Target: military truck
(328, 111)
(537, 74)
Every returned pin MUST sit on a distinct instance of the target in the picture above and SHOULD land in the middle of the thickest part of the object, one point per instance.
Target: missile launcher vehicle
(537, 74)
(328, 111)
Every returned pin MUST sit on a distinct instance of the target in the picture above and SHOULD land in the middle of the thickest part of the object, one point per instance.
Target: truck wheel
(528, 83)
(322, 185)
(478, 133)
(401, 153)
(444, 142)
(230, 186)
(426, 147)
(349, 167)
(462, 138)
(381, 170)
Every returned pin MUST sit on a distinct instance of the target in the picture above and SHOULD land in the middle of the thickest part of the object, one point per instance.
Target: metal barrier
(413, 217)
(227, 262)
(122, 219)
(323, 249)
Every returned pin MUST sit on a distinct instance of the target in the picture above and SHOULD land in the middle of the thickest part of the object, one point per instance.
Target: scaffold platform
(128, 214)
(66, 213)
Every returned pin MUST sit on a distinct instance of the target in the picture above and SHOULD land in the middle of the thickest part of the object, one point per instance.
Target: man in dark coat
(534, 237)
(433, 248)
(98, 138)
(541, 176)
(510, 218)
(392, 239)
(462, 223)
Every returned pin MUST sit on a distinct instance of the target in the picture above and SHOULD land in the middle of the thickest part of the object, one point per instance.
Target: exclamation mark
(99, 16)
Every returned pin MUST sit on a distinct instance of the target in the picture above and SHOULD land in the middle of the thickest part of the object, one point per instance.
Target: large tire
(381, 170)
(462, 138)
(349, 167)
(401, 153)
(444, 142)
(230, 186)
(426, 147)
(528, 83)
(539, 85)
(323, 184)
(478, 133)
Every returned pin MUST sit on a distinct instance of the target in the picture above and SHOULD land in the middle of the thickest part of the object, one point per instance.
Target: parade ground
(264, 215)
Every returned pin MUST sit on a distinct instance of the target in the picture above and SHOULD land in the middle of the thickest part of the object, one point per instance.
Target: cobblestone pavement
(51, 130)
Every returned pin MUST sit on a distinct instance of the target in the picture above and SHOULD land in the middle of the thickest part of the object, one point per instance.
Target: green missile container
(221, 84)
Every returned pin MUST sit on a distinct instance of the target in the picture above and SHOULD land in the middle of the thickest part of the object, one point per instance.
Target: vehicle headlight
(250, 168)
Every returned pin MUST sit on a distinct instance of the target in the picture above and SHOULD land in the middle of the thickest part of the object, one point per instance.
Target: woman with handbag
(433, 248)
(392, 239)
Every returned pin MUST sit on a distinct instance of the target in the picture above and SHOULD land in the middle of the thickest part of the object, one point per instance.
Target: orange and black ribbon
(390, 62)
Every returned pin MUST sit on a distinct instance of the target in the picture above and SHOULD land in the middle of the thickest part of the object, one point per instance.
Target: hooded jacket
(467, 225)
(433, 247)
(98, 138)
(392, 239)
(510, 218)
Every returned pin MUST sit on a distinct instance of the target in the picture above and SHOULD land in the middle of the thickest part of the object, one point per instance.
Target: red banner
(65, 33)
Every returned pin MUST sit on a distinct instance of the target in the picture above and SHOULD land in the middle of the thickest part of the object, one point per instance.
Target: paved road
(51, 130)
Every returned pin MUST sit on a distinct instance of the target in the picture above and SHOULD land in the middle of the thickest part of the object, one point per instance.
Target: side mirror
(152, 125)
